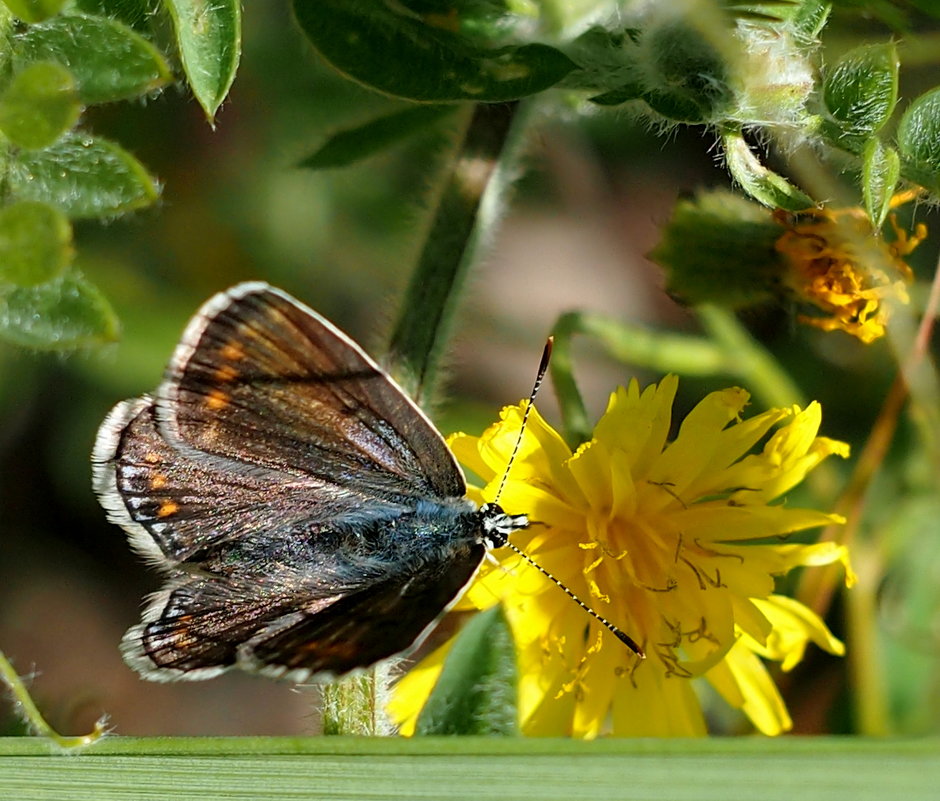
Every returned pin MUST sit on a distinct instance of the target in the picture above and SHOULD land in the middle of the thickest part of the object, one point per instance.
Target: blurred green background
(235, 207)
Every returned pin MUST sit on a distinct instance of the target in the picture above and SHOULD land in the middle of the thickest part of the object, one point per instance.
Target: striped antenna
(539, 378)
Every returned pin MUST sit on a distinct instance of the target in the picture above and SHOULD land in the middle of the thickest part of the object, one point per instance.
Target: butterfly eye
(496, 525)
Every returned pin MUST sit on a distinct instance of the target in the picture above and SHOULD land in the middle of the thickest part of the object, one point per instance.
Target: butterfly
(307, 516)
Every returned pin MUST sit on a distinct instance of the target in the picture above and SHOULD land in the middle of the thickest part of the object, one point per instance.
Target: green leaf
(919, 138)
(63, 314)
(108, 59)
(355, 144)
(622, 94)
(473, 769)
(377, 45)
(208, 35)
(40, 104)
(760, 183)
(84, 176)
(35, 243)
(476, 691)
(881, 168)
(862, 90)
(34, 10)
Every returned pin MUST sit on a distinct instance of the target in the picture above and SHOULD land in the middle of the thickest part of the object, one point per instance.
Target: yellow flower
(676, 543)
(838, 263)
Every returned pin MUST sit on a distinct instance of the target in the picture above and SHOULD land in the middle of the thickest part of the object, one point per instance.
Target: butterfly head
(496, 525)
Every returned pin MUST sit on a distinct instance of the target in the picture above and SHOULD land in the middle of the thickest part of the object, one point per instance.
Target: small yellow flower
(838, 263)
(677, 543)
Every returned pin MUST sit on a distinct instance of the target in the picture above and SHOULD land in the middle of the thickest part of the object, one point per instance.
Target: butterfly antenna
(539, 378)
(620, 635)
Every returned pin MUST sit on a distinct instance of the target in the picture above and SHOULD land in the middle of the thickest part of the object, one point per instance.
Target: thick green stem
(469, 208)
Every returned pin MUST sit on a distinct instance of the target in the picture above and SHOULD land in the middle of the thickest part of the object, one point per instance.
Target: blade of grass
(827, 769)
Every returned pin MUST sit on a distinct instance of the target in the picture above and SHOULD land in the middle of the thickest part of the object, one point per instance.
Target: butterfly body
(308, 517)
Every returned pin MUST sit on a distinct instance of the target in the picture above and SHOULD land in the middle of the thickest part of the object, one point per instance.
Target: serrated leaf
(63, 314)
(919, 137)
(758, 181)
(84, 176)
(881, 168)
(861, 92)
(35, 243)
(401, 55)
(34, 10)
(476, 691)
(109, 60)
(40, 104)
(355, 144)
(208, 35)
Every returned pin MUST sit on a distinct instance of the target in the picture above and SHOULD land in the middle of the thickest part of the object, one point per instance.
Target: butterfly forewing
(260, 378)
(178, 507)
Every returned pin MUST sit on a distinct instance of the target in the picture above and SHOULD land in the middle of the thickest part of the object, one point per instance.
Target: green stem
(355, 705)
(465, 218)
(749, 360)
(33, 717)
(469, 206)
(657, 350)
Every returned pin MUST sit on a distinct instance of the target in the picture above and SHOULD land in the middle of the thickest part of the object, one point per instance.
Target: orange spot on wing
(152, 457)
(226, 373)
(167, 508)
(158, 481)
(232, 351)
(217, 399)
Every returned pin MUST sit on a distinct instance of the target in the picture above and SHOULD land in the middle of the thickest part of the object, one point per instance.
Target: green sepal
(40, 105)
(403, 56)
(809, 20)
(476, 691)
(919, 140)
(719, 248)
(881, 168)
(35, 243)
(355, 144)
(34, 10)
(687, 79)
(861, 91)
(63, 314)
(84, 176)
(109, 60)
(761, 183)
(208, 36)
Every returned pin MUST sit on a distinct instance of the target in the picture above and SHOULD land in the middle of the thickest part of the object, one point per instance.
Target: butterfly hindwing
(284, 627)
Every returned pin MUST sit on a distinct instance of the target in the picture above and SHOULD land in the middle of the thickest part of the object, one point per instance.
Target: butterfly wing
(176, 506)
(272, 444)
(286, 627)
(260, 378)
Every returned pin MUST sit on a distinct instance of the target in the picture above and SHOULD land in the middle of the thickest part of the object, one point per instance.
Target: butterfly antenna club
(619, 634)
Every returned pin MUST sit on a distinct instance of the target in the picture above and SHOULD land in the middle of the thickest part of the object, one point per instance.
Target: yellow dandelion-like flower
(677, 543)
(837, 263)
